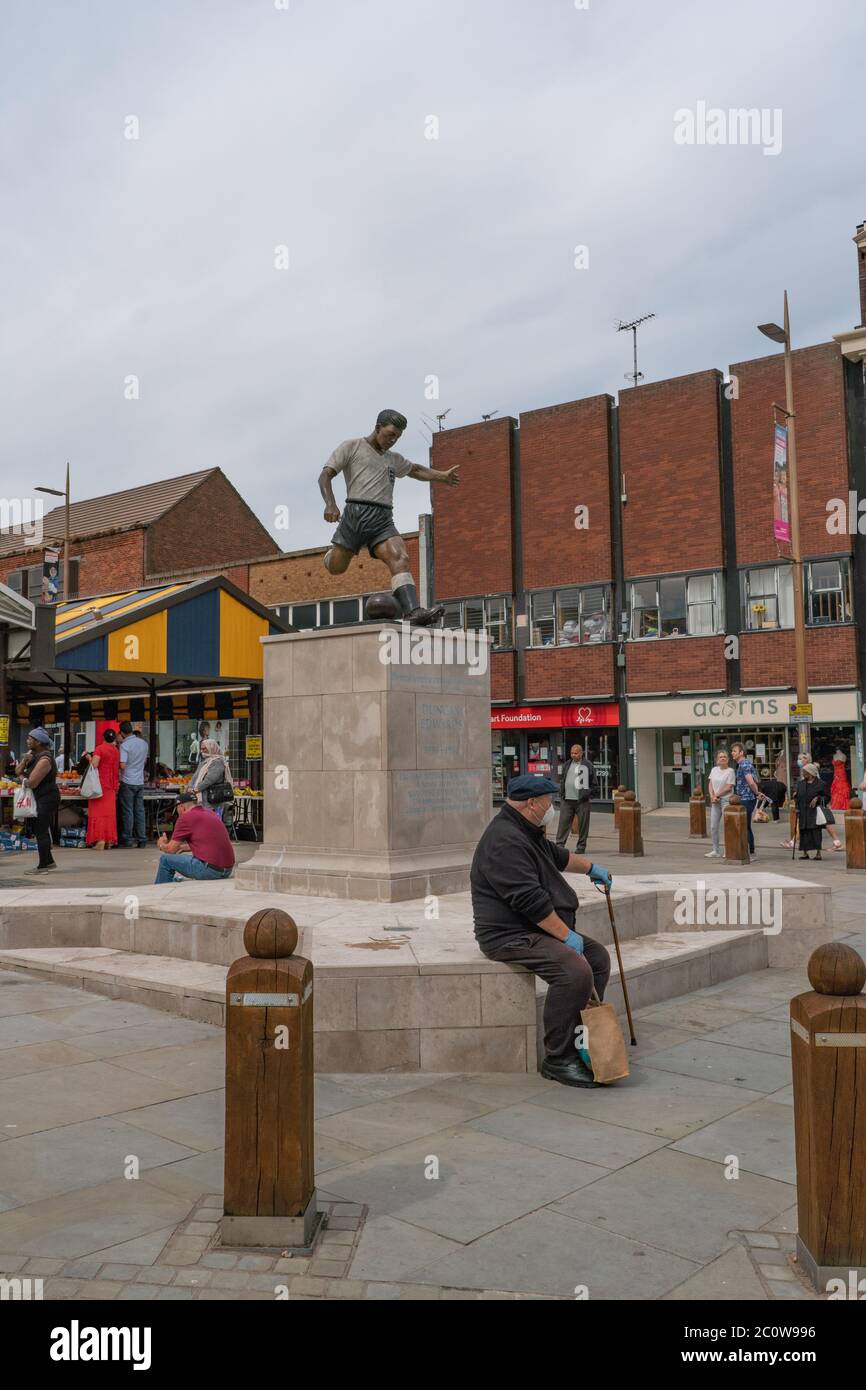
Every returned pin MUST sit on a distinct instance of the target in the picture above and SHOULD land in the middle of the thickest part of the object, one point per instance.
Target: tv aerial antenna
(635, 376)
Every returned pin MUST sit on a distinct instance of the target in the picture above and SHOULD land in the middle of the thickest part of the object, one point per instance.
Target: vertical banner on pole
(781, 514)
(50, 577)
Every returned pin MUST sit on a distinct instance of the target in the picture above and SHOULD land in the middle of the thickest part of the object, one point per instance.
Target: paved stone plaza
(540, 1189)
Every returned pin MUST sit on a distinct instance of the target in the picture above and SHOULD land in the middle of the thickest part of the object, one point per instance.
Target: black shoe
(425, 617)
(568, 1071)
(142, 844)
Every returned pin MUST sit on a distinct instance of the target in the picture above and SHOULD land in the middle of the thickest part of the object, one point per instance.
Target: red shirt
(206, 836)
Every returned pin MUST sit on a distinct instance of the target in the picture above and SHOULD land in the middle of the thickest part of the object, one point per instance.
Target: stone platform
(395, 990)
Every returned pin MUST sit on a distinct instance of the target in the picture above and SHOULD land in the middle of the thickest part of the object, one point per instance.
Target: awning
(15, 611)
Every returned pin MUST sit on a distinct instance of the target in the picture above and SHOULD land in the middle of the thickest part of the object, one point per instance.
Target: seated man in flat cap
(524, 913)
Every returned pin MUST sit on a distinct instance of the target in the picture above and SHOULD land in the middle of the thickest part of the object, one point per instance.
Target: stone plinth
(377, 780)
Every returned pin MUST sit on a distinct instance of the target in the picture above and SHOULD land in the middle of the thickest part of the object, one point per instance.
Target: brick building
(630, 578)
(196, 523)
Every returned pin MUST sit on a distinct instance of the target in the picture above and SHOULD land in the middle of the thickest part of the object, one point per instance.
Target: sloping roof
(15, 610)
(117, 511)
(88, 615)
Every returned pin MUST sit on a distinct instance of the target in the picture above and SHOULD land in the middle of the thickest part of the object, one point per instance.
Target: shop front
(676, 741)
(537, 738)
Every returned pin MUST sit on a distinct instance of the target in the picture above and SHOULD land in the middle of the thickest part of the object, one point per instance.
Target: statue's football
(381, 608)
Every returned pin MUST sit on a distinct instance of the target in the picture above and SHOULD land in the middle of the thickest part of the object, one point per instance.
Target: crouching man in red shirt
(200, 831)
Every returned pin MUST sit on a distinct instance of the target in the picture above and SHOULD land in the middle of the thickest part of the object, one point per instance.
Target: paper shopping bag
(604, 1041)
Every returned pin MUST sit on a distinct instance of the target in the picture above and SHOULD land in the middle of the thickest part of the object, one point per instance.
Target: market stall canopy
(16, 611)
(175, 636)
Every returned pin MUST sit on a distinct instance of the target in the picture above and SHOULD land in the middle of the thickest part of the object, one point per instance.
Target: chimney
(860, 243)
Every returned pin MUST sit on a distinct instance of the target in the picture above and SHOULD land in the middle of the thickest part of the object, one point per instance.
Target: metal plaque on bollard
(269, 1196)
(828, 1060)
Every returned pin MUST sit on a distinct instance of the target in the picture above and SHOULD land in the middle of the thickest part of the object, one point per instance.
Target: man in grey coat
(577, 786)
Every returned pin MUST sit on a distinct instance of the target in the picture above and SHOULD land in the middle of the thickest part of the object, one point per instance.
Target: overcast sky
(304, 123)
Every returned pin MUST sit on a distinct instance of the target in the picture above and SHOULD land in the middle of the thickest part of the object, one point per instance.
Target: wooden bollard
(630, 838)
(269, 1195)
(855, 835)
(736, 833)
(617, 802)
(828, 1060)
(698, 814)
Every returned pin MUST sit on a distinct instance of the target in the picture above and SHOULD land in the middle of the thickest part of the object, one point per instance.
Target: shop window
(768, 598)
(828, 586)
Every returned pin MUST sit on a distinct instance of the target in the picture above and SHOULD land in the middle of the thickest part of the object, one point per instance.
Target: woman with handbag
(102, 809)
(38, 772)
(810, 816)
(212, 783)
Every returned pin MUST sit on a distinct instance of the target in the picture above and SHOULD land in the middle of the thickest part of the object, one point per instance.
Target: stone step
(658, 967)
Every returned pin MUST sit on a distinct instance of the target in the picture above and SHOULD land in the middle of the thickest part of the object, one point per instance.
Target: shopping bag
(604, 1041)
(820, 818)
(23, 803)
(90, 783)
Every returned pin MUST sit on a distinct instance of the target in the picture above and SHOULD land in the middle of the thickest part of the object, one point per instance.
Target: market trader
(524, 913)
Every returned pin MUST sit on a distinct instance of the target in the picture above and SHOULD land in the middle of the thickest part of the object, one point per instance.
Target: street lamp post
(55, 492)
(783, 335)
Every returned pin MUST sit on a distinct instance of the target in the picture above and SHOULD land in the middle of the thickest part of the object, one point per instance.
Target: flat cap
(530, 784)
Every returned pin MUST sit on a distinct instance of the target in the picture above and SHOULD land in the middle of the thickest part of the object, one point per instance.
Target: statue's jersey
(369, 474)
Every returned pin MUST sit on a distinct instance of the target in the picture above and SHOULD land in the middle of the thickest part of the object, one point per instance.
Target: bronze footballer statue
(370, 466)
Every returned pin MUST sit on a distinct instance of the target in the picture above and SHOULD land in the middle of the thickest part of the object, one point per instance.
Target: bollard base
(820, 1275)
(285, 1232)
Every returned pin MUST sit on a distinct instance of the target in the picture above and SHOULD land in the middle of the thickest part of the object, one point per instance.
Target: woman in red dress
(102, 810)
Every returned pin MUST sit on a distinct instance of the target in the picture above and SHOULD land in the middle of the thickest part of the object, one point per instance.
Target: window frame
(456, 608)
(716, 601)
(555, 596)
(844, 589)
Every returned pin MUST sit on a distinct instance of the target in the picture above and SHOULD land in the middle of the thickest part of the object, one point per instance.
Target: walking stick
(613, 932)
(794, 835)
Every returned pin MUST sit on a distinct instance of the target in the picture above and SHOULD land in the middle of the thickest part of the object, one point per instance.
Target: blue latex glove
(599, 875)
(575, 942)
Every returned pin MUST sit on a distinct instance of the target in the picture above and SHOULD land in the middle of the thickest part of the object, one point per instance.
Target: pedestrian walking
(721, 784)
(38, 771)
(746, 786)
(212, 781)
(577, 787)
(807, 795)
(524, 913)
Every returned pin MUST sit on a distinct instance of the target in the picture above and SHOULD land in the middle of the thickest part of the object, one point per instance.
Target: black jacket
(516, 881)
(591, 788)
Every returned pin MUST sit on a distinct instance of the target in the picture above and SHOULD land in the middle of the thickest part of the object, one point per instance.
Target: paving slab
(77, 1223)
(483, 1181)
(766, 1034)
(69, 1094)
(731, 1276)
(547, 1253)
(78, 1155)
(656, 1102)
(608, 1146)
(760, 1135)
(720, 1061)
(383, 1124)
(197, 1121)
(645, 1202)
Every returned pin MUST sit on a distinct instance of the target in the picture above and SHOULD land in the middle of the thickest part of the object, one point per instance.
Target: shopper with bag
(101, 781)
(810, 815)
(38, 772)
(524, 913)
(212, 782)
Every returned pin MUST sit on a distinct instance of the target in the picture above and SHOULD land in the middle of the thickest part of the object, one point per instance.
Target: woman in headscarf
(212, 771)
(38, 771)
(807, 795)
